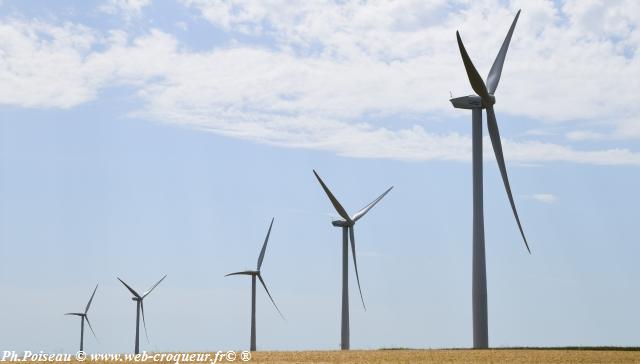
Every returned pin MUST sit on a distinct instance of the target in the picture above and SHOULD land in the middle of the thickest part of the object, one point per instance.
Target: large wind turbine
(84, 317)
(254, 274)
(346, 223)
(484, 99)
(140, 308)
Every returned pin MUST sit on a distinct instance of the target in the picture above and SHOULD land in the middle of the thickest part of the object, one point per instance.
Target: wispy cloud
(333, 72)
(546, 198)
(126, 8)
(584, 135)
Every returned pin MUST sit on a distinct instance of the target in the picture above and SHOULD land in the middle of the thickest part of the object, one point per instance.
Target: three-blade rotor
(350, 221)
(85, 314)
(140, 298)
(486, 94)
(259, 265)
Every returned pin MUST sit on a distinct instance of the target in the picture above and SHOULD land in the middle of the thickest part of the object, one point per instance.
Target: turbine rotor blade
(477, 84)
(264, 246)
(246, 273)
(129, 288)
(496, 70)
(341, 211)
(269, 294)
(93, 332)
(494, 133)
(86, 309)
(355, 263)
(154, 286)
(366, 209)
(144, 323)
(74, 314)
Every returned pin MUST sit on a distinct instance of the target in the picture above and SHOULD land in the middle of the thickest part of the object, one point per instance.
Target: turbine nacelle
(342, 223)
(471, 102)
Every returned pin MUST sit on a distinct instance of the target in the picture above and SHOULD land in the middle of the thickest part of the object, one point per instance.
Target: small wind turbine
(140, 308)
(83, 317)
(484, 99)
(346, 223)
(254, 274)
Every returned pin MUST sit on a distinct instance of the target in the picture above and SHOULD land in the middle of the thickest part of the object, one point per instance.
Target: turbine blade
(245, 272)
(154, 286)
(474, 77)
(355, 263)
(497, 149)
(366, 209)
(264, 246)
(269, 294)
(496, 70)
(129, 288)
(86, 309)
(93, 332)
(334, 201)
(74, 314)
(144, 322)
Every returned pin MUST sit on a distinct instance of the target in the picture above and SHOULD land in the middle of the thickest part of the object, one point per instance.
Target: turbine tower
(254, 274)
(346, 223)
(484, 99)
(140, 308)
(84, 317)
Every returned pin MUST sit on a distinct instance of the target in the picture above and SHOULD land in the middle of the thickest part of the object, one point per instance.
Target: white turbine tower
(484, 99)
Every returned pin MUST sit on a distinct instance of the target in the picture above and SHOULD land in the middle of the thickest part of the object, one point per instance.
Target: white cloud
(41, 64)
(336, 74)
(584, 135)
(560, 71)
(44, 65)
(127, 8)
(544, 198)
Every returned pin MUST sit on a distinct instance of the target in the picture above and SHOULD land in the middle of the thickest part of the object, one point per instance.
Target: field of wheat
(450, 356)
(525, 356)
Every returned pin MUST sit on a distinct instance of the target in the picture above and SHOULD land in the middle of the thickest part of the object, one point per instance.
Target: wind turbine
(346, 223)
(140, 308)
(254, 274)
(484, 99)
(84, 317)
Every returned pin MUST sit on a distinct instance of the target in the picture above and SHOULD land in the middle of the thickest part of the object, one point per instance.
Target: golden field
(445, 356)
(450, 356)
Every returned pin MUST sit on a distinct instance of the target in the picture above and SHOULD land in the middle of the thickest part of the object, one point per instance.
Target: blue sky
(143, 138)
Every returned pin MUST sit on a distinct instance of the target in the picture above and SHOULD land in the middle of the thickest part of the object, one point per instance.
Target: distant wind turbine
(140, 308)
(346, 223)
(84, 317)
(254, 274)
(484, 99)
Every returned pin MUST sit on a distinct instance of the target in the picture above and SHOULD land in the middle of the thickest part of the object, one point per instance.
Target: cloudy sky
(140, 138)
